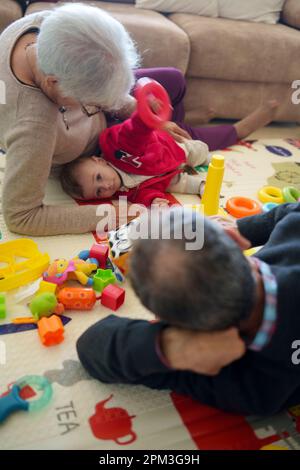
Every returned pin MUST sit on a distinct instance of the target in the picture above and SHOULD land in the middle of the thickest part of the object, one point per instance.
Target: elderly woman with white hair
(62, 69)
(55, 65)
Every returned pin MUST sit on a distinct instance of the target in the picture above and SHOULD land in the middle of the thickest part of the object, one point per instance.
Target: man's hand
(224, 222)
(178, 134)
(230, 226)
(201, 352)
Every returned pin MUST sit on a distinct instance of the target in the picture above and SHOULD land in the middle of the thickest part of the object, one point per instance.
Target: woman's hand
(178, 134)
(201, 352)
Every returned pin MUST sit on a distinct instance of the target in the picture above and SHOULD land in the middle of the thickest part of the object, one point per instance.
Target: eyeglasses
(90, 110)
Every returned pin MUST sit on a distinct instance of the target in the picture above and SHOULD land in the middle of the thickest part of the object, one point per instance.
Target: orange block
(51, 330)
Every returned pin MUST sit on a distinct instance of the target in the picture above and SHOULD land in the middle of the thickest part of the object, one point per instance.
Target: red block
(100, 252)
(113, 296)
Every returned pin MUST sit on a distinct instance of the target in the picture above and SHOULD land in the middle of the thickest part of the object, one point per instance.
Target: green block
(103, 278)
(2, 306)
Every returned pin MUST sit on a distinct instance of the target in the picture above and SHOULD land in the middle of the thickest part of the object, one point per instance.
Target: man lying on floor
(228, 324)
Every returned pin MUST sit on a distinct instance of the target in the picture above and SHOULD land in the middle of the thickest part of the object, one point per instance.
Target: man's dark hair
(208, 289)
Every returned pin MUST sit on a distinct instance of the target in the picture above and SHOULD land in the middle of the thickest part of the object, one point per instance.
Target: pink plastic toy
(147, 90)
(62, 270)
(100, 253)
(58, 271)
(112, 296)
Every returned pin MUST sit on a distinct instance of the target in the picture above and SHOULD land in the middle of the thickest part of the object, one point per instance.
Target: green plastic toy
(12, 401)
(103, 278)
(43, 305)
(2, 306)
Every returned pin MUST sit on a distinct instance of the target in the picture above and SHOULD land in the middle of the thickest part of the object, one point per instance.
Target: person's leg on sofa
(260, 117)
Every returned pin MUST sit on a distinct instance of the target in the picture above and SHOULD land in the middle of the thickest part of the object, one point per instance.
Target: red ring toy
(242, 207)
(146, 88)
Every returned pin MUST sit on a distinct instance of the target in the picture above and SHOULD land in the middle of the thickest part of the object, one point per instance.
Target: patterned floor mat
(140, 418)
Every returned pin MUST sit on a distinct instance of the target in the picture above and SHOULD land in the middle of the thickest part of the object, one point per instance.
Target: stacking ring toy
(290, 194)
(12, 401)
(146, 89)
(268, 206)
(270, 194)
(242, 207)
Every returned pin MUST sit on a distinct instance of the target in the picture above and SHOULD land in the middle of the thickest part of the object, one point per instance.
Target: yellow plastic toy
(270, 194)
(251, 251)
(30, 267)
(47, 287)
(62, 270)
(211, 196)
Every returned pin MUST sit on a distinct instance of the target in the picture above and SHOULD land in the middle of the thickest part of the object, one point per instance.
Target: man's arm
(119, 350)
(168, 348)
(258, 228)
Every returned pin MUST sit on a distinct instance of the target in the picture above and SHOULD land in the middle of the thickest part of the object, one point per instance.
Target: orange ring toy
(242, 207)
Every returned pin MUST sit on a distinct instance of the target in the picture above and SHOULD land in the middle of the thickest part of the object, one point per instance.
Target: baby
(138, 162)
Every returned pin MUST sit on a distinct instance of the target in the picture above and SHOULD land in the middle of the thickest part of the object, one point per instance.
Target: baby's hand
(159, 201)
(155, 104)
(178, 134)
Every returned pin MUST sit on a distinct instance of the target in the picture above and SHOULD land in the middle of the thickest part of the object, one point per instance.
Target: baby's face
(97, 179)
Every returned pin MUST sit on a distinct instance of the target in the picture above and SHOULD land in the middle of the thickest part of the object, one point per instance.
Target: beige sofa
(231, 66)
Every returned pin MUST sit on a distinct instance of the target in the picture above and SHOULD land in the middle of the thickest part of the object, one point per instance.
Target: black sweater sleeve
(258, 228)
(120, 350)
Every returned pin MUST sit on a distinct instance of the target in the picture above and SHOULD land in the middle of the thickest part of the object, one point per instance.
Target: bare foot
(261, 117)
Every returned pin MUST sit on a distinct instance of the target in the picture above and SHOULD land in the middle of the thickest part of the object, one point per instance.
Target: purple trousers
(216, 137)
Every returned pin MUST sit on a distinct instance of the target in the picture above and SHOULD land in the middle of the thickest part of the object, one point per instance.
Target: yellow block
(47, 287)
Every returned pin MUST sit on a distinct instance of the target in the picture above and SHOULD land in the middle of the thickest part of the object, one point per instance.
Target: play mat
(135, 417)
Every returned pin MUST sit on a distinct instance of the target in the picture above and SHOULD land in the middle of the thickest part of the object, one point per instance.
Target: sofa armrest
(291, 13)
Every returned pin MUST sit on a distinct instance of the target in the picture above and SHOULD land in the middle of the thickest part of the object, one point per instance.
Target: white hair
(90, 53)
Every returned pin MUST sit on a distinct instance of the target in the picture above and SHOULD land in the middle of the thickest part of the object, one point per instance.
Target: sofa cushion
(237, 50)
(197, 7)
(132, 2)
(161, 42)
(9, 11)
(261, 11)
